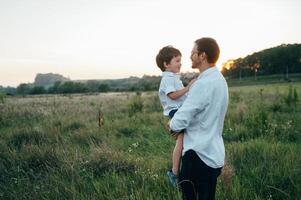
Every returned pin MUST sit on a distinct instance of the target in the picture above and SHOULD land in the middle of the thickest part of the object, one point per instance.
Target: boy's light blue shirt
(202, 116)
(170, 82)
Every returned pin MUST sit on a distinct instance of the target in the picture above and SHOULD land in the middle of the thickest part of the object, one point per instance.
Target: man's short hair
(165, 55)
(210, 47)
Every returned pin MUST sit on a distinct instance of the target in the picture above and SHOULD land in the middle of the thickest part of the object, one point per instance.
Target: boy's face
(174, 65)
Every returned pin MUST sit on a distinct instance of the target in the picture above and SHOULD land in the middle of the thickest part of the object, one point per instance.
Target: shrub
(152, 104)
(103, 160)
(295, 96)
(2, 98)
(292, 97)
(235, 97)
(26, 137)
(74, 126)
(127, 131)
(38, 161)
(135, 104)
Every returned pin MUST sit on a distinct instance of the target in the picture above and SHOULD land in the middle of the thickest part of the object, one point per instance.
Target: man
(202, 117)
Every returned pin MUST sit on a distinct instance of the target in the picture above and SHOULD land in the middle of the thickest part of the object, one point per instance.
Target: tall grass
(51, 147)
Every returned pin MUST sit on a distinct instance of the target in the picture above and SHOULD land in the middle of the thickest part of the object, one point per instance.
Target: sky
(109, 39)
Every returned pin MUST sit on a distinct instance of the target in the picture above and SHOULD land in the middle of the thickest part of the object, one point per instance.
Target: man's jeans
(197, 180)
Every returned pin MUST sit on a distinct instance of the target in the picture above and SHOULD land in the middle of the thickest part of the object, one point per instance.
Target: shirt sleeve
(168, 85)
(196, 101)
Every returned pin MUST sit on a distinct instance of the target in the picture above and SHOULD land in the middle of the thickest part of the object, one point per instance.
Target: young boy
(172, 94)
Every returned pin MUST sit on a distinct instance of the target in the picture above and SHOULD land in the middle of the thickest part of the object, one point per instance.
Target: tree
(55, 88)
(92, 85)
(23, 89)
(283, 59)
(103, 88)
(38, 90)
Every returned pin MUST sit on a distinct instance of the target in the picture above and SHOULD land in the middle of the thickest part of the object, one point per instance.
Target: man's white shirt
(170, 82)
(202, 116)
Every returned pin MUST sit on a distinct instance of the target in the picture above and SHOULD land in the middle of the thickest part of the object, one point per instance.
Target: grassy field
(52, 148)
(265, 80)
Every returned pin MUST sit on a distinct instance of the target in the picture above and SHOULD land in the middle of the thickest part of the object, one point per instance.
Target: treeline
(146, 83)
(57, 88)
(284, 59)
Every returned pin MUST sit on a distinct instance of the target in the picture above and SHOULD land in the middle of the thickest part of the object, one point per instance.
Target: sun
(227, 65)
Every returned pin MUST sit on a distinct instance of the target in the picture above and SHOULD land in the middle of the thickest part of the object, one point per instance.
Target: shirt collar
(208, 71)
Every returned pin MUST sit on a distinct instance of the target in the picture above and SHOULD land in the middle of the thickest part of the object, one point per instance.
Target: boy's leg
(176, 160)
(177, 154)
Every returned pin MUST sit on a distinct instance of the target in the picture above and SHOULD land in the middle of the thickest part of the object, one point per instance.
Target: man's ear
(204, 55)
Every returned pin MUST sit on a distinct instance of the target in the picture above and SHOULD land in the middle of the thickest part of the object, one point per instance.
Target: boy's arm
(177, 94)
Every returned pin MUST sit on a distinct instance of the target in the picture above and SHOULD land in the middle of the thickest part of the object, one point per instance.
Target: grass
(52, 148)
(264, 80)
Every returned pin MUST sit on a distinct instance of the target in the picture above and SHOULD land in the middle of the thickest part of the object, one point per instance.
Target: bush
(2, 98)
(152, 104)
(27, 137)
(135, 104)
(38, 161)
(102, 160)
(38, 90)
(74, 126)
(292, 97)
(235, 97)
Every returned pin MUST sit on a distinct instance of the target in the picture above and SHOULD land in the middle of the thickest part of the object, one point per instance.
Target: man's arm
(196, 101)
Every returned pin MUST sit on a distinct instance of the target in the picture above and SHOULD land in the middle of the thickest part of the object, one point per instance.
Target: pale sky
(107, 39)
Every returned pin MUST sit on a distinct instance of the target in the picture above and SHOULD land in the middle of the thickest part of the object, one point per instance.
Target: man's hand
(174, 134)
(191, 82)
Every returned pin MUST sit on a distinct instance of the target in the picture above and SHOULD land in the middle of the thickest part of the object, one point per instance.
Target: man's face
(195, 62)
(197, 59)
(174, 65)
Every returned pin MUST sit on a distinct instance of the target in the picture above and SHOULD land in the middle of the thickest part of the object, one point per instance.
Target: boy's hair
(210, 47)
(165, 55)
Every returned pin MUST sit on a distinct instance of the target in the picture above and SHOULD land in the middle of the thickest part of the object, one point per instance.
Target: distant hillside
(273, 65)
(283, 59)
(47, 80)
(56, 83)
(132, 83)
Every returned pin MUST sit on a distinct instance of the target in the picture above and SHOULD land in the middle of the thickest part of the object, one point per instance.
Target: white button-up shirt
(202, 116)
(170, 82)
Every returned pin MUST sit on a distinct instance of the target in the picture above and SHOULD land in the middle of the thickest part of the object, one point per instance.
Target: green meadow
(51, 147)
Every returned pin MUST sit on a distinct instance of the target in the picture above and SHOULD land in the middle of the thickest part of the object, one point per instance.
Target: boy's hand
(191, 82)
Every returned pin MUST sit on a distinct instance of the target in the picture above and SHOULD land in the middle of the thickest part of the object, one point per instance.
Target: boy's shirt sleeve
(168, 85)
(196, 101)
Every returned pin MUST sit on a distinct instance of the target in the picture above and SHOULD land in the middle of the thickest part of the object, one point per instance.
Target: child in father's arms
(172, 94)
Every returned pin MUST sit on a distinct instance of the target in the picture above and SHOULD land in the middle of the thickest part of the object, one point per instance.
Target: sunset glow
(117, 39)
